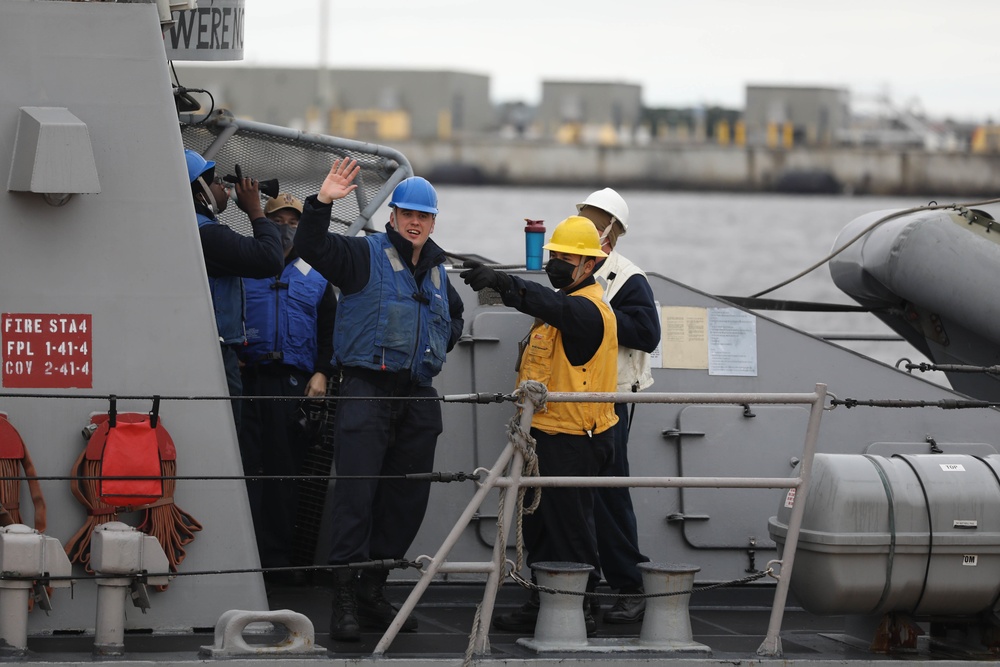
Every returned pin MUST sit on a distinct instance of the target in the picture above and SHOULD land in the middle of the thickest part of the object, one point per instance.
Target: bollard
(119, 549)
(560, 624)
(24, 552)
(667, 624)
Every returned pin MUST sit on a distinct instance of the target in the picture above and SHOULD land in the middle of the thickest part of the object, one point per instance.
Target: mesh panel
(300, 167)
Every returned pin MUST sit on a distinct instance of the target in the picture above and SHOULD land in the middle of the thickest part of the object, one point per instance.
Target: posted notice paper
(732, 342)
(684, 337)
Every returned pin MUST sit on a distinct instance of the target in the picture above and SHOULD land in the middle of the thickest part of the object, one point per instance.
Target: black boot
(626, 610)
(521, 619)
(374, 611)
(343, 621)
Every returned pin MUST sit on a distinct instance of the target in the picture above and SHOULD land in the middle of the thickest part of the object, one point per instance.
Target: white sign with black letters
(213, 31)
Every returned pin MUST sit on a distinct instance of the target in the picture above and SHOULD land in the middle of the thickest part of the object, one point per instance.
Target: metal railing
(511, 458)
(300, 161)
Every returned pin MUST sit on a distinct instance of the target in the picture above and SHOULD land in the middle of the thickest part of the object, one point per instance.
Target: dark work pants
(617, 534)
(232, 365)
(273, 443)
(562, 528)
(376, 519)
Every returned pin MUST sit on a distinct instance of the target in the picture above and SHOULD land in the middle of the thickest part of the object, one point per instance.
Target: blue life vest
(228, 300)
(281, 317)
(393, 324)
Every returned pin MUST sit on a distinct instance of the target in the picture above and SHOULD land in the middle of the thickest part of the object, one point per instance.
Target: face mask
(560, 273)
(287, 234)
(605, 235)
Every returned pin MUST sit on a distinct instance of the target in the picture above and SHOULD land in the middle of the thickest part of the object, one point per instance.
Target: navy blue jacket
(345, 260)
(635, 311)
(578, 320)
(230, 256)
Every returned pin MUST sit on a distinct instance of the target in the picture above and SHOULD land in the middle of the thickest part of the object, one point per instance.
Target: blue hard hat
(196, 164)
(416, 194)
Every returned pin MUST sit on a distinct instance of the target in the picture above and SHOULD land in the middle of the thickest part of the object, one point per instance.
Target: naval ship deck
(731, 622)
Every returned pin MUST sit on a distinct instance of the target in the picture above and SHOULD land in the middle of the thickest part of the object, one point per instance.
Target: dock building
(371, 105)
(601, 133)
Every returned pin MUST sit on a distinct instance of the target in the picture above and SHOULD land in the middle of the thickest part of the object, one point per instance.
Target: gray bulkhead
(130, 257)
(724, 531)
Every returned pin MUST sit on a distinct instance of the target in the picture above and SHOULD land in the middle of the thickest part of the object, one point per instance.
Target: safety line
(444, 477)
(530, 585)
(944, 404)
(482, 397)
(962, 208)
(385, 564)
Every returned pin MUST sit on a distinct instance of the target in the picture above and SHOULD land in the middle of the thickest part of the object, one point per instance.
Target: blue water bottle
(534, 238)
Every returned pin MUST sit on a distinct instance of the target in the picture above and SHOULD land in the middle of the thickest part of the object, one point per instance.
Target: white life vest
(634, 372)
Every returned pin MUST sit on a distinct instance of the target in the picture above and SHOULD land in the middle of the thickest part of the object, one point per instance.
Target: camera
(268, 187)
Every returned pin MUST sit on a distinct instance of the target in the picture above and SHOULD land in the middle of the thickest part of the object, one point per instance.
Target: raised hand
(338, 183)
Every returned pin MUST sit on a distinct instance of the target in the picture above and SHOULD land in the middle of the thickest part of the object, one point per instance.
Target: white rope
(525, 443)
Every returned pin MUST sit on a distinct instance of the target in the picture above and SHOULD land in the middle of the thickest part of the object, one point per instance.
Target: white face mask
(606, 234)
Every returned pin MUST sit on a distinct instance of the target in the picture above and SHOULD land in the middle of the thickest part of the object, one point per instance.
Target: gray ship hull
(123, 254)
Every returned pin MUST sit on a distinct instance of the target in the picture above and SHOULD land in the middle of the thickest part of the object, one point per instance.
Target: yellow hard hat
(576, 235)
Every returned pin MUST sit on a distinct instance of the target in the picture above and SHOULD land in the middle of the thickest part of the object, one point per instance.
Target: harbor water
(730, 244)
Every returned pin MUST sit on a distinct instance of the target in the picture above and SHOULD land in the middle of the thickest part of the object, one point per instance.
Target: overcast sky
(936, 55)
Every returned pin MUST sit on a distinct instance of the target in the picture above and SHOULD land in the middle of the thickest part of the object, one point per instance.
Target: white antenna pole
(322, 76)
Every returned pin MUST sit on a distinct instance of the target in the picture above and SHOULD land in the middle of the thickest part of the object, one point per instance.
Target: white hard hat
(609, 201)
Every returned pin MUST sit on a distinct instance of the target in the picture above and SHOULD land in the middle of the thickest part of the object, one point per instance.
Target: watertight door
(730, 518)
(495, 335)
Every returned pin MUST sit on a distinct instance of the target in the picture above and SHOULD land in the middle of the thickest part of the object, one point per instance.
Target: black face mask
(560, 273)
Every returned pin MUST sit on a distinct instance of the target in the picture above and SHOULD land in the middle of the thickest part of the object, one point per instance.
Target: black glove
(480, 277)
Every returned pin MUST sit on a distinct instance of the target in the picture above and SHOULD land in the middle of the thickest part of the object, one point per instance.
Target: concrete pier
(881, 171)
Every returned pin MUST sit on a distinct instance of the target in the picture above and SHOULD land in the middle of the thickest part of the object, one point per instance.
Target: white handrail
(771, 645)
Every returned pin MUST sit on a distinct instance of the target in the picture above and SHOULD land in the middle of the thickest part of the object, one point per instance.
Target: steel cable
(856, 238)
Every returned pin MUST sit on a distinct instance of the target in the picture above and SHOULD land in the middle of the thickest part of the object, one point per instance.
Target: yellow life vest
(544, 360)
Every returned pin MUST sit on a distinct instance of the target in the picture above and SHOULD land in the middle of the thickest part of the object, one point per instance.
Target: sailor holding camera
(230, 256)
